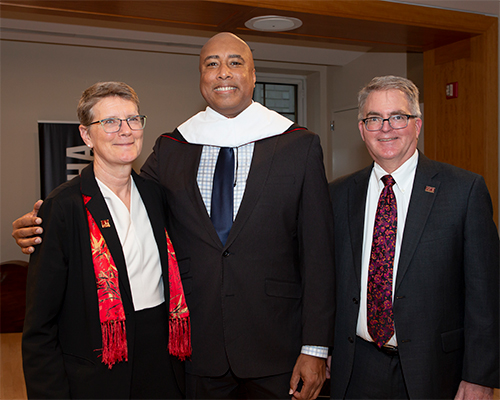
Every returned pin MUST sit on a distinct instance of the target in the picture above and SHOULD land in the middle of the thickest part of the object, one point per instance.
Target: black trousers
(375, 374)
(153, 376)
(230, 386)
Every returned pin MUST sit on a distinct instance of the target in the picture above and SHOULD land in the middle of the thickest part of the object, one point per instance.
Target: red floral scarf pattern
(179, 343)
(111, 312)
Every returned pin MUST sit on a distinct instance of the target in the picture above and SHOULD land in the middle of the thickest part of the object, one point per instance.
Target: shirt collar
(402, 176)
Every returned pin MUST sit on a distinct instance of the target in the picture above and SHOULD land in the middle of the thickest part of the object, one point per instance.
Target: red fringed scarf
(179, 343)
(111, 312)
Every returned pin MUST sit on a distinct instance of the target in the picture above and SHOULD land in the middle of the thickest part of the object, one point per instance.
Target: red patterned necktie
(379, 295)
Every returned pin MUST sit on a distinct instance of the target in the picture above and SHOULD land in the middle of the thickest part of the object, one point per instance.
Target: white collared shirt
(404, 177)
(140, 250)
(243, 159)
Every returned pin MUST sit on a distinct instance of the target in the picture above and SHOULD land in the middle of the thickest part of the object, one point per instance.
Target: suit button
(355, 300)
(226, 254)
(351, 340)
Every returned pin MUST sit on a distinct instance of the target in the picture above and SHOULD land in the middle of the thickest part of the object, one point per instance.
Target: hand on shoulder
(25, 229)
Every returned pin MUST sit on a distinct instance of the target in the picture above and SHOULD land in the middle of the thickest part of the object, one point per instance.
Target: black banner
(62, 154)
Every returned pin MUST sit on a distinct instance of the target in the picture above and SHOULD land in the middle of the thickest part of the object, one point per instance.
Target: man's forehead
(390, 102)
(394, 96)
(392, 112)
(219, 56)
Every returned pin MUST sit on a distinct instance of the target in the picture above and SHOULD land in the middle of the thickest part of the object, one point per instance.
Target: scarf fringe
(179, 342)
(114, 342)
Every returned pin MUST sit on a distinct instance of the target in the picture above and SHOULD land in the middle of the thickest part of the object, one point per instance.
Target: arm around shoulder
(25, 230)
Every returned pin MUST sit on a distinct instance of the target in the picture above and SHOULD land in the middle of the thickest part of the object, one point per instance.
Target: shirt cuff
(315, 351)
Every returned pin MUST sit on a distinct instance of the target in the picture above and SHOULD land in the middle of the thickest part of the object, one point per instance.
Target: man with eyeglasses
(417, 258)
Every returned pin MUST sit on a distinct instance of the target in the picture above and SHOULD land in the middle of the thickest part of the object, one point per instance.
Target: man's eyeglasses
(113, 125)
(395, 121)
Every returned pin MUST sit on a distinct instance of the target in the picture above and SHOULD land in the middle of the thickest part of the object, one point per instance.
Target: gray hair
(98, 91)
(389, 82)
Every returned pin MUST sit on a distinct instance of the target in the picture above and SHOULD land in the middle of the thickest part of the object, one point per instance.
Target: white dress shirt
(243, 159)
(404, 177)
(139, 247)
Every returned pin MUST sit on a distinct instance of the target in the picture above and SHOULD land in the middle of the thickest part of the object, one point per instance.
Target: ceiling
(333, 32)
(486, 7)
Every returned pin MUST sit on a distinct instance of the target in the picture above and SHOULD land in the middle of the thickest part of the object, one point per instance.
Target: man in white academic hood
(261, 296)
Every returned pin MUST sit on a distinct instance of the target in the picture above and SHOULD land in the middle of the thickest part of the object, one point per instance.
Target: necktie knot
(388, 180)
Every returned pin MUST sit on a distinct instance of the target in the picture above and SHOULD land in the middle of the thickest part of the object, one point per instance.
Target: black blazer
(255, 301)
(446, 299)
(62, 328)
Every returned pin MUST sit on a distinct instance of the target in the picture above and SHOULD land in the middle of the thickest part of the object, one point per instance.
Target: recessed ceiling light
(273, 23)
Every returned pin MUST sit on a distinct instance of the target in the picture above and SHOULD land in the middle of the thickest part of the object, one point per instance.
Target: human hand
(312, 371)
(328, 366)
(26, 227)
(472, 391)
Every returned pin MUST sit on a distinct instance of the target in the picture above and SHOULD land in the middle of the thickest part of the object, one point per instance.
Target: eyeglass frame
(121, 120)
(408, 116)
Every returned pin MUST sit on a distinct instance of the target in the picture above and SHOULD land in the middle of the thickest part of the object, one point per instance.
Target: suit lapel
(100, 212)
(425, 189)
(356, 215)
(188, 161)
(261, 164)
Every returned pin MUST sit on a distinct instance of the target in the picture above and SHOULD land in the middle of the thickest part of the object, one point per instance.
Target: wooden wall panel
(464, 131)
(12, 385)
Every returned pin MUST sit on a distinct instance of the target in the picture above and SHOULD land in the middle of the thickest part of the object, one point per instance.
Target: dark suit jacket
(446, 298)
(62, 328)
(255, 301)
